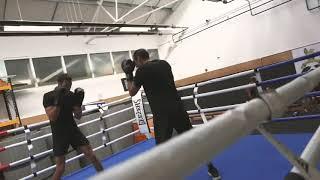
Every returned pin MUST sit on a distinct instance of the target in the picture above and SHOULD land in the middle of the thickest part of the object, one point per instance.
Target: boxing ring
(226, 139)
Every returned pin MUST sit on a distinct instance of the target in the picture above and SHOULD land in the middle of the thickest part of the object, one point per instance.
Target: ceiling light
(32, 28)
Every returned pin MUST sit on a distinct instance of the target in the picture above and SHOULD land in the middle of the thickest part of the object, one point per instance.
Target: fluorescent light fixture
(32, 28)
(134, 29)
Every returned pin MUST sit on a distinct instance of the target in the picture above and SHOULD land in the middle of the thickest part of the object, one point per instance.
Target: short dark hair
(142, 53)
(63, 77)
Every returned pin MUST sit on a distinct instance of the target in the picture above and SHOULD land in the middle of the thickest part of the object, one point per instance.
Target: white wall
(30, 100)
(240, 39)
(21, 47)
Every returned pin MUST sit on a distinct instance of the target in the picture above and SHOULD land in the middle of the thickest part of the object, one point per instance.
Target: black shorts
(166, 121)
(61, 142)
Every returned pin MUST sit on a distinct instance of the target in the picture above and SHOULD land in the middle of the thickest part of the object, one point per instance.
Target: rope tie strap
(195, 100)
(30, 147)
(101, 123)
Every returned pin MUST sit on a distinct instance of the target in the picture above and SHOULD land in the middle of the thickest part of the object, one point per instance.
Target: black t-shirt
(65, 122)
(158, 82)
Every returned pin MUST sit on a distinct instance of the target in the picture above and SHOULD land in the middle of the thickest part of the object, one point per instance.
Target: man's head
(64, 80)
(140, 57)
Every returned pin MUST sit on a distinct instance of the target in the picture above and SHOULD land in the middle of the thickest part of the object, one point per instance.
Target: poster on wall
(308, 64)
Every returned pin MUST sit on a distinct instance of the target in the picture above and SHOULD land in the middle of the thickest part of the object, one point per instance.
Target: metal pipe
(108, 13)
(81, 24)
(4, 9)
(19, 10)
(96, 12)
(80, 12)
(155, 10)
(135, 8)
(75, 12)
(6, 34)
(105, 3)
(54, 11)
(116, 7)
(146, 14)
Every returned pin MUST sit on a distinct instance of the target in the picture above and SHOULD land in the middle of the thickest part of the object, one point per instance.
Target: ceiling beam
(151, 14)
(80, 24)
(55, 10)
(75, 33)
(106, 4)
(4, 10)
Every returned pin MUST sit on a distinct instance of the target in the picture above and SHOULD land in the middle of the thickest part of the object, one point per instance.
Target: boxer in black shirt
(158, 82)
(60, 106)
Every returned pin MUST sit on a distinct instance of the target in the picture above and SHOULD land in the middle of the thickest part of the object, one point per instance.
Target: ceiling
(84, 10)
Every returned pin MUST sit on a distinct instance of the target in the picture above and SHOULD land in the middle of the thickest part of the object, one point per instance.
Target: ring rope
(4, 167)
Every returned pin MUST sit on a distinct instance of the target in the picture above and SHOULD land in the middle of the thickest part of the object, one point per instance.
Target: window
(77, 66)
(153, 54)
(21, 68)
(101, 64)
(118, 57)
(47, 69)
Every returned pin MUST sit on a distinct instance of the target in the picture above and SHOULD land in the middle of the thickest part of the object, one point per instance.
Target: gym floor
(251, 158)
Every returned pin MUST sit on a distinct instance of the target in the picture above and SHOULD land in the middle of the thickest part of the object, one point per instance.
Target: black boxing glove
(59, 93)
(79, 96)
(127, 66)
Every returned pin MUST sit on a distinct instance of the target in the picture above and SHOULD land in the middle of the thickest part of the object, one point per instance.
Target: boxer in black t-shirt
(158, 82)
(60, 106)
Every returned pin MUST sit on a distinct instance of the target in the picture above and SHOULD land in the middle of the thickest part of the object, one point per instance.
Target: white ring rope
(217, 80)
(39, 155)
(81, 155)
(45, 123)
(214, 109)
(80, 125)
(220, 91)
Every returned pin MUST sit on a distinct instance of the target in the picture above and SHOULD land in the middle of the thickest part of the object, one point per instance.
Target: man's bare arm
(133, 89)
(77, 111)
(52, 112)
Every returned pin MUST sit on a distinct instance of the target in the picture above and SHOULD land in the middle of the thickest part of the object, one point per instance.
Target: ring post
(140, 114)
